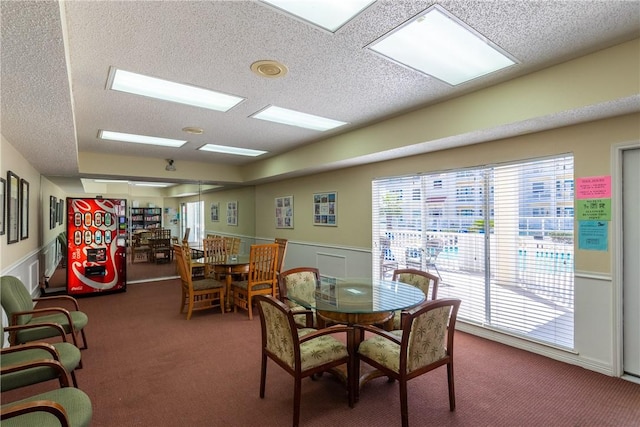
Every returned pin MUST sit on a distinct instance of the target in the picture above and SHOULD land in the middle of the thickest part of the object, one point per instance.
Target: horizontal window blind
(504, 239)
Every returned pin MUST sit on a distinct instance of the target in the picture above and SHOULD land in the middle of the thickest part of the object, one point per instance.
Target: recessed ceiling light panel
(231, 150)
(327, 14)
(296, 118)
(139, 84)
(438, 44)
(140, 139)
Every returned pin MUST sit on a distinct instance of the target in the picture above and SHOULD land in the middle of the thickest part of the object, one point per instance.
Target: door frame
(616, 252)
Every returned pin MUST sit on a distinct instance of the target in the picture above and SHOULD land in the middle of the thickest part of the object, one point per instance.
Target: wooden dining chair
(161, 245)
(424, 343)
(197, 295)
(261, 277)
(301, 282)
(301, 352)
(215, 251)
(426, 282)
(232, 245)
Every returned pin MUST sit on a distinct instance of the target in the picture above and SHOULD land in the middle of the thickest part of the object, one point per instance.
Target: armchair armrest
(67, 298)
(381, 332)
(39, 325)
(64, 311)
(54, 364)
(49, 406)
(328, 331)
(32, 346)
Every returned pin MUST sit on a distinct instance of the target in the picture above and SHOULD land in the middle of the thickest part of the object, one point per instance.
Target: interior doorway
(630, 265)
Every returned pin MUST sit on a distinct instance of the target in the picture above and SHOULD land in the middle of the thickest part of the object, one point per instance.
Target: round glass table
(358, 300)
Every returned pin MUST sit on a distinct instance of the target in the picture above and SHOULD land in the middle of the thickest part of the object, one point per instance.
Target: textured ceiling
(56, 60)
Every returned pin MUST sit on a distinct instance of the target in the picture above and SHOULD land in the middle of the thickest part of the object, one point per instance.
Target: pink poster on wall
(593, 187)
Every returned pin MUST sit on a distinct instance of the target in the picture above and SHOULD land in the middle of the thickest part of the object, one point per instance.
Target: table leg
(228, 278)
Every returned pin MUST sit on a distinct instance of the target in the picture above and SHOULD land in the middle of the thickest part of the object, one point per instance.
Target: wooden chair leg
(296, 401)
(452, 391)
(404, 406)
(263, 374)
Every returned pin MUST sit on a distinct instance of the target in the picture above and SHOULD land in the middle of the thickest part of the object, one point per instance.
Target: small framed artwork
(60, 212)
(24, 209)
(325, 208)
(284, 212)
(215, 212)
(13, 207)
(232, 213)
(53, 203)
(3, 201)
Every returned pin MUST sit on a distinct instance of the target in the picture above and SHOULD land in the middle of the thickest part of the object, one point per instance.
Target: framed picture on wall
(232, 213)
(215, 212)
(60, 212)
(325, 208)
(3, 201)
(284, 212)
(24, 209)
(53, 203)
(13, 207)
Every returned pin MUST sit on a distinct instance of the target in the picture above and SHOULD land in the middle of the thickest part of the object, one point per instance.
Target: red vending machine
(96, 246)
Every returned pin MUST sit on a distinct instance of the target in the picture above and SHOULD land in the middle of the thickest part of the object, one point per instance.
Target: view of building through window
(500, 238)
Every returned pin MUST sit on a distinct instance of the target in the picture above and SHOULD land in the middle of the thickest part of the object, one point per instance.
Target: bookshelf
(146, 218)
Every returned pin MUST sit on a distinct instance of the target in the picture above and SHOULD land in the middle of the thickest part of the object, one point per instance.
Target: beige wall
(11, 160)
(247, 211)
(589, 142)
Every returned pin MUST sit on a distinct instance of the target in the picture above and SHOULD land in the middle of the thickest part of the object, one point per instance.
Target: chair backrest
(279, 332)
(433, 248)
(282, 252)
(162, 233)
(426, 282)
(185, 238)
(232, 244)
(301, 282)
(262, 265)
(427, 336)
(214, 249)
(183, 259)
(15, 298)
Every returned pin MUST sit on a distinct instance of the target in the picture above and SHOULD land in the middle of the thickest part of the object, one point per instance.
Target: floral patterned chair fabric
(301, 283)
(300, 352)
(424, 343)
(426, 282)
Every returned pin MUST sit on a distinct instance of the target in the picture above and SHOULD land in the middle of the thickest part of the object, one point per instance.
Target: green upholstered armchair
(424, 343)
(19, 307)
(300, 352)
(65, 353)
(66, 406)
(301, 282)
(426, 282)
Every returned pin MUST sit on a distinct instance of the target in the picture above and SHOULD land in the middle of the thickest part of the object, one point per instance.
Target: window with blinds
(500, 238)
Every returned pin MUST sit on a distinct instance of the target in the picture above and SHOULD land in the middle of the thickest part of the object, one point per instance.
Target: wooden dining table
(229, 266)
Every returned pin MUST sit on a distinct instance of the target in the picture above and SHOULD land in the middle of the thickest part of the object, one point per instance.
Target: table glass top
(359, 295)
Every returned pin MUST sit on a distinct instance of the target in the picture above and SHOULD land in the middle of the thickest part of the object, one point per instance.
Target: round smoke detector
(268, 68)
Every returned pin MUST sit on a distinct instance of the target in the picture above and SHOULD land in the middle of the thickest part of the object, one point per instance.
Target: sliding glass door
(500, 238)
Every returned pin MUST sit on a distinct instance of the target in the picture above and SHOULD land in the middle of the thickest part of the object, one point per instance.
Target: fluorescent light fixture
(140, 139)
(151, 184)
(439, 44)
(296, 118)
(231, 150)
(328, 14)
(112, 181)
(139, 84)
(184, 194)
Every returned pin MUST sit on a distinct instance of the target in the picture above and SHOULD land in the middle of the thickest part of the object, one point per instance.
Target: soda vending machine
(96, 245)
